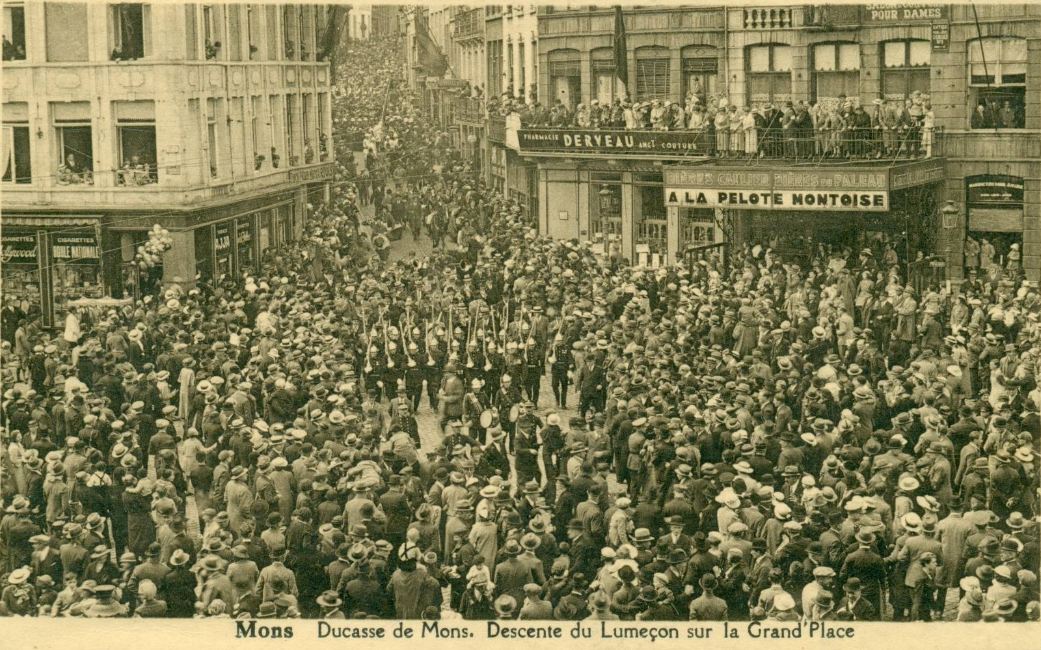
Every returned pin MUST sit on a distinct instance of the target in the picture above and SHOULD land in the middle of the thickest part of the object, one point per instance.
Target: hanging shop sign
(610, 142)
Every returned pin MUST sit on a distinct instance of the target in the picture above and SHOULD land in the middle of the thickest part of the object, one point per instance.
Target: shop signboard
(862, 190)
(19, 247)
(752, 199)
(80, 245)
(897, 14)
(941, 37)
(611, 142)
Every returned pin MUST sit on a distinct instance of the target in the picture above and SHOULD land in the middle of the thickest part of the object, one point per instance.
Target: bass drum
(514, 412)
(487, 417)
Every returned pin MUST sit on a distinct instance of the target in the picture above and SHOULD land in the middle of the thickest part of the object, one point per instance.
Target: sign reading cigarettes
(750, 199)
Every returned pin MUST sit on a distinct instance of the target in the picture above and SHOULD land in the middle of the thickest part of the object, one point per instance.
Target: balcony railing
(469, 24)
(821, 148)
(469, 109)
(768, 18)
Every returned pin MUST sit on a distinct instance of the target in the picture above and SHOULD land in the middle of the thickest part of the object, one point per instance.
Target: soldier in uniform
(473, 406)
(503, 401)
(450, 395)
(561, 365)
(527, 445)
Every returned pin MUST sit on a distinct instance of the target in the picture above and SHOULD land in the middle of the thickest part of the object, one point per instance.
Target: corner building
(213, 121)
(656, 195)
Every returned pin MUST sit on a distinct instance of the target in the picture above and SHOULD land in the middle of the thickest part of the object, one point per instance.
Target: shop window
(245, 245)
(135, 134)
(997, 83)
(652, 73)
(650, 225)
(204, 253)
(697, 227)
(700, 72)
(565, 76)
(76, 268)
(605, 214)
(836, 71)
(905, 69)
(74, 140)
(66, 31)
(14, 32)
(191, 32)
(17, 151)
(769, 72)
(130, 27)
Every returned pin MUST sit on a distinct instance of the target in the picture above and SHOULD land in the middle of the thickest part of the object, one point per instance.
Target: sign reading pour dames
(751, 199)
(608, 142)
(902, 13)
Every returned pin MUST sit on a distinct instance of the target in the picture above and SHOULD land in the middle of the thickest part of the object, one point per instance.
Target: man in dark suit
(853, 606)
(512, 573)
(396, 508)
(867, 567)
(584, 552)
(495, 459)
(45, 558)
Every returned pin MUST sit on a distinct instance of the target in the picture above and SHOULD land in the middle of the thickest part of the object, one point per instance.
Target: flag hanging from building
(621, 50)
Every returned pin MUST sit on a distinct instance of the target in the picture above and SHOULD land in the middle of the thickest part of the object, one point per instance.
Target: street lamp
(949, 220)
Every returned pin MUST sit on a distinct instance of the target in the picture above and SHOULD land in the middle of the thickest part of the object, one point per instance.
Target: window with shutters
(836, 71)
(700, 72)
(565, 77)
(997, 82)
(606, 86)
(652, 75)
(905, 68)
(769, 72)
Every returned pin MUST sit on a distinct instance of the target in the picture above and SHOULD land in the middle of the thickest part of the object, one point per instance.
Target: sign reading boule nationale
(607, 142)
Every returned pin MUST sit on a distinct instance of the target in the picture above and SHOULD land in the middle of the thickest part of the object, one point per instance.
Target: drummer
(506, 402)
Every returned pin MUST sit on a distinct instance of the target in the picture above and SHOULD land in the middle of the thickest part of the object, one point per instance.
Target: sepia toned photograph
(520, 321)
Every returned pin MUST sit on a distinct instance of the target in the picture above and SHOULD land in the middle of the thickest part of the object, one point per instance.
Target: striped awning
(47, 221)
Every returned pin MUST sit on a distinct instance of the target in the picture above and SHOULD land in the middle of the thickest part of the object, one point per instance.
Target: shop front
(609, 188)
(800, 211)
(236, 246)
(994, 227)
(48, 262)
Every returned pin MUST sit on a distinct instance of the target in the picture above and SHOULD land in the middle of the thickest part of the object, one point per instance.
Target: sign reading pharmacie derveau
(595, 141)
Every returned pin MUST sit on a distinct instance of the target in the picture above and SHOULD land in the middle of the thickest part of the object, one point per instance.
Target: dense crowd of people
(735, 439)
(834, 128)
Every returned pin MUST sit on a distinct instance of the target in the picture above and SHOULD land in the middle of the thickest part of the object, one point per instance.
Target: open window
(14, 31)
(74, 138)
(998, 83)
(135, 135)
(700, 72)
(130, 27)
(213, 31)
(16, 156)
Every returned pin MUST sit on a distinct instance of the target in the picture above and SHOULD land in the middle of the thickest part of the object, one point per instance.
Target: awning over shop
(49, 221)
